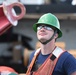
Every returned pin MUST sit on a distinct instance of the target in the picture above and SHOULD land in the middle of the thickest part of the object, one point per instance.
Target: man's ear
(56, 35)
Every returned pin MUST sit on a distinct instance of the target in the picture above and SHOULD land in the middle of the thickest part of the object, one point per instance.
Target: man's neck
(48, 48)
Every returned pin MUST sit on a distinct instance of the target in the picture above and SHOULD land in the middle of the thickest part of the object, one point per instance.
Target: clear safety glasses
(45, 27)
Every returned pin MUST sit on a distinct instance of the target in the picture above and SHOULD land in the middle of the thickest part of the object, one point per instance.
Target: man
(49, 59)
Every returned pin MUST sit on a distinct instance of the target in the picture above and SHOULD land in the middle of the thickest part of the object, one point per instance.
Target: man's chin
(42, 40)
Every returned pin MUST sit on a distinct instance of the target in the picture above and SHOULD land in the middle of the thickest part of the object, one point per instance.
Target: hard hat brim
(35, 29)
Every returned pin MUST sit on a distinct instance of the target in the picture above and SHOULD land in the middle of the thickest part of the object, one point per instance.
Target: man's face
(44, 32)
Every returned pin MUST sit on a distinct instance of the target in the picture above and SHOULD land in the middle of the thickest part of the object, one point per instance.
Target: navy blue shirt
(65, 65)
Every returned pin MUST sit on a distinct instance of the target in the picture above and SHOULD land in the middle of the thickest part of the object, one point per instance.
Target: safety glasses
(45, 27)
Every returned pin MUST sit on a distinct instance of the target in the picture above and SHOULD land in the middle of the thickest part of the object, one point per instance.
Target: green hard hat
(51, 20)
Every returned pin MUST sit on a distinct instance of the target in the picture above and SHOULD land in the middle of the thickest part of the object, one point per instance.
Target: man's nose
(42, 28)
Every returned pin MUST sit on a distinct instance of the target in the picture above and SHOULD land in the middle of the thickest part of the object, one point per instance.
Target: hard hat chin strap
(49, 39)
